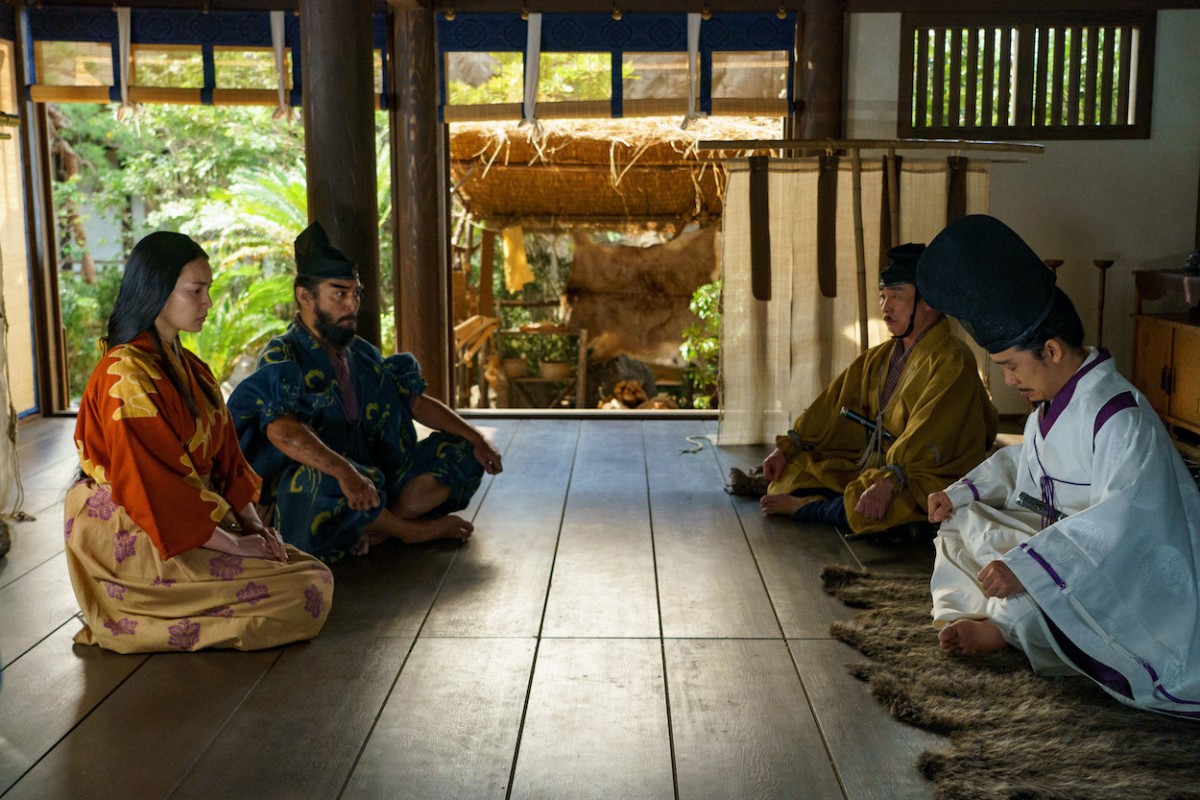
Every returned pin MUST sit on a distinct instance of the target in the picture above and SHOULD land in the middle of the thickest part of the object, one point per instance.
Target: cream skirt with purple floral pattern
(134, 602)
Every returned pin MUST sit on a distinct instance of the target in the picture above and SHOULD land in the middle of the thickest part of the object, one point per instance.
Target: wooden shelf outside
(576, 382)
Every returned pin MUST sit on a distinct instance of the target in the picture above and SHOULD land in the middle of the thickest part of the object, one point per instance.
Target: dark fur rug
(1013, 734)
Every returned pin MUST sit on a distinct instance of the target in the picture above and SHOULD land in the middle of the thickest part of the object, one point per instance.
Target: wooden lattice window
(1010, 76)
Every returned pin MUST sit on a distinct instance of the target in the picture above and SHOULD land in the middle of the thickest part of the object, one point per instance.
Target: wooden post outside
(339, 138)
(820, 69)
(421, 282)
(487, 267)
(793, 122)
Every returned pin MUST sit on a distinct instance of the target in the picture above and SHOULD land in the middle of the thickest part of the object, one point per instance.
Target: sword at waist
(854, 416)
(1047, 511)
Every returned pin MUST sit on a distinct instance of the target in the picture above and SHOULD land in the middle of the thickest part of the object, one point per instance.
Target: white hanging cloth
(693, 35)
(778, 355)
(11, 492)
(533, 59)
(284, 109)
(126, 109)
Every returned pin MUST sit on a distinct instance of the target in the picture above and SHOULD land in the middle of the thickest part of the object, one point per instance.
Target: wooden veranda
(618, 627)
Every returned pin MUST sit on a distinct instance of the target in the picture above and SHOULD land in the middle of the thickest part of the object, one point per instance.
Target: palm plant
(256, 219)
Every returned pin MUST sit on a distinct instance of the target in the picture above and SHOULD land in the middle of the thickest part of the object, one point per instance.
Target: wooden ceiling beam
(178, 5)
(635, 6)
(186, 5)
(595, 6)
(718, 6)
(925, 6)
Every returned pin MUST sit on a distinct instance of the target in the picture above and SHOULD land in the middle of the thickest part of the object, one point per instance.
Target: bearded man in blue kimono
(327, 422)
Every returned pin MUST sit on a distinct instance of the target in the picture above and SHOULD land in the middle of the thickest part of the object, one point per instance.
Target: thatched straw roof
(606, 173)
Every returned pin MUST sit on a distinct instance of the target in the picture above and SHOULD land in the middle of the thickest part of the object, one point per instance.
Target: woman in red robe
(165, 548)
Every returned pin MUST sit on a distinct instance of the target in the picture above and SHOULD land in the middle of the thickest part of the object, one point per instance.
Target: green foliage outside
(85, 310)
(172, 157)
(1063, 51)
(549, 256)
(701, 346)
(562, 77)
(233, 179)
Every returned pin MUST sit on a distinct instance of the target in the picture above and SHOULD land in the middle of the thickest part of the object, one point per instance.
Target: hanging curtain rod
(871, 144)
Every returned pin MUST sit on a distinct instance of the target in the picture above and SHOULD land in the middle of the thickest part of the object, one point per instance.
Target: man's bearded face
(337, 313)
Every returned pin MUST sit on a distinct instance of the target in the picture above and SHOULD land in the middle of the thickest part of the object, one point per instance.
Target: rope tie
(1047, 485)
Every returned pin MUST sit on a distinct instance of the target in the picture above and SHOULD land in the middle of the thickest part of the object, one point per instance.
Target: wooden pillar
(50, 362)
(819, 73)
(792, 122)
(421, 269)
(339, 138)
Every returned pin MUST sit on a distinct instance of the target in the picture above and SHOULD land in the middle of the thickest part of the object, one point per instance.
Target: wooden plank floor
(618, 627)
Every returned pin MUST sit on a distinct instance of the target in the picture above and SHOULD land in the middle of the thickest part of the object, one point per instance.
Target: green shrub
(701, 346)
(85, 308)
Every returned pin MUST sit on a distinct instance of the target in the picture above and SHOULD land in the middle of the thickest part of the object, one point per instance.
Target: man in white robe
(1102, 579)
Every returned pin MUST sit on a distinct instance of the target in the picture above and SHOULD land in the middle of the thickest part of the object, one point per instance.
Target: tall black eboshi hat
(979, 271)
(317, 258)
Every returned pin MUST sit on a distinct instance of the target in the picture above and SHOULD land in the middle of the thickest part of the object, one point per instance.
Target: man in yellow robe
(932, 420)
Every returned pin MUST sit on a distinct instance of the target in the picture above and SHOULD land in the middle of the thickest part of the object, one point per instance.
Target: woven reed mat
(1012, 734)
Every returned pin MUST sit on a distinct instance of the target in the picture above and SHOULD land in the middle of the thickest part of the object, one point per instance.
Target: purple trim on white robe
(1051, 411)
(1119, 403)
(1096, 670)
(1044, 564)
(970, 485)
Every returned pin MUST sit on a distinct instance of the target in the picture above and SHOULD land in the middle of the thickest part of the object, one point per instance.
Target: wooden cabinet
(1166, 367)
(1166, 349)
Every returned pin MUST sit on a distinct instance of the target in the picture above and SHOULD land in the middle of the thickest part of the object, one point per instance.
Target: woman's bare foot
(971, 637)
(785, 504)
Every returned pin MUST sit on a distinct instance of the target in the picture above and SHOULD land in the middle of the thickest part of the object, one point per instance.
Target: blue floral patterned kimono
(296, 377)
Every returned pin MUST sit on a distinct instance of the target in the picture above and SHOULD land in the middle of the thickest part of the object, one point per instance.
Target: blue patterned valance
(207, 30)
(634, 33)
(589, 33)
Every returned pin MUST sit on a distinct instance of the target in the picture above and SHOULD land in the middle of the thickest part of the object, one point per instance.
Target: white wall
(1133, 201)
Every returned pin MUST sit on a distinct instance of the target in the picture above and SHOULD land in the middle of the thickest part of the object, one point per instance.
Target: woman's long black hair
(150, 276)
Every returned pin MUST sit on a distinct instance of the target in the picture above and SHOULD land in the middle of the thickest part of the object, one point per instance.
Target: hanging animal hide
(634, 300)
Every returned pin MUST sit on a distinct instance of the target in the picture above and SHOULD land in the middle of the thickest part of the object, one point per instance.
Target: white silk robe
(1111, 588)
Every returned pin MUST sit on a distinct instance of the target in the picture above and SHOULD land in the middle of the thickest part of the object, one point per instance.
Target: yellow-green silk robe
(940, 413)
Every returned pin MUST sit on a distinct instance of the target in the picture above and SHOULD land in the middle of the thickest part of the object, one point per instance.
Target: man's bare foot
(426, 530)
(971, 637)
(784, 503)
(367, 540)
